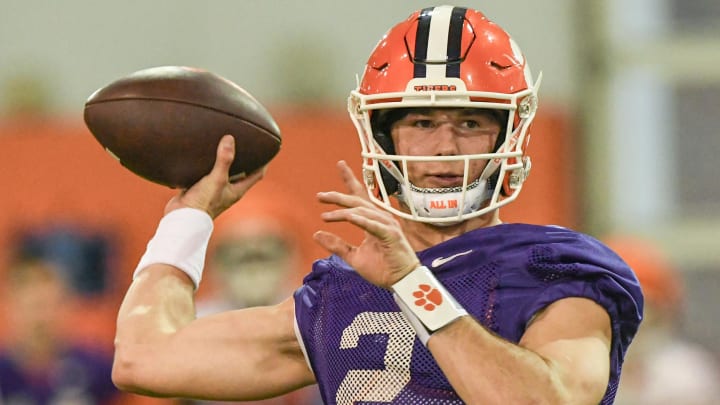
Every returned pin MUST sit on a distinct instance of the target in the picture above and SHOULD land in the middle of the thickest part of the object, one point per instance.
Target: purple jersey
(363, 351)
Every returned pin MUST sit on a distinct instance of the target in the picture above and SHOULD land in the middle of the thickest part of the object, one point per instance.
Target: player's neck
(422, 236)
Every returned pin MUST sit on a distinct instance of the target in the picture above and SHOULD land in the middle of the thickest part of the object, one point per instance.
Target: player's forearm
(158, 304)
(486, 369)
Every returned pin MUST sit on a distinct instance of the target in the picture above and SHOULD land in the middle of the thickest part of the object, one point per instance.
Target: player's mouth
(444, 180)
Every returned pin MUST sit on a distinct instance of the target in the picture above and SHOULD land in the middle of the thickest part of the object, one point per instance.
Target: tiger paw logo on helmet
(428, 297)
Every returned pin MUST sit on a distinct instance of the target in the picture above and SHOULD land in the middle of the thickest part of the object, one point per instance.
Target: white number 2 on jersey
(378, 385)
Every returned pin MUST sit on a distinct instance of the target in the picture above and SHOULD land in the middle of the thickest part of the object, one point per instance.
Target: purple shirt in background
(78, 376)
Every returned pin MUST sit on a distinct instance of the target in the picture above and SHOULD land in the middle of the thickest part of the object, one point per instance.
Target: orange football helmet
(445, 57)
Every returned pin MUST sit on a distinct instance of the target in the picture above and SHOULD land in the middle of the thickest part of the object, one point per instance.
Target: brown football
(164, 124)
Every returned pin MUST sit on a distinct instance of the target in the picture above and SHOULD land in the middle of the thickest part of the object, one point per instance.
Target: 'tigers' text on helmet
(435, 87)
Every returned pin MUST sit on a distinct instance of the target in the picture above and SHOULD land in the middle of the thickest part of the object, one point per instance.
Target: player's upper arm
(574, 335)
(237, 355)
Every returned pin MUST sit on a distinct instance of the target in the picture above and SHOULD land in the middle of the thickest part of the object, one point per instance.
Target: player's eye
(470, 124)
(423, 123)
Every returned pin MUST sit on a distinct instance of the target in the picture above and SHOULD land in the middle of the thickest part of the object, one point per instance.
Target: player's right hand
(214, 193)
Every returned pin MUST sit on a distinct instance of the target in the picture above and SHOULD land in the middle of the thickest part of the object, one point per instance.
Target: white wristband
(424, 298)
(181, 240)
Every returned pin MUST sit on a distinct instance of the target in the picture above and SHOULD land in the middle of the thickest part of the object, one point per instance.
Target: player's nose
(445, 137)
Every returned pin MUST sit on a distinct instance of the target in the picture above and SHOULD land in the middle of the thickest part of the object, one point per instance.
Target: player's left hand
(385, 255)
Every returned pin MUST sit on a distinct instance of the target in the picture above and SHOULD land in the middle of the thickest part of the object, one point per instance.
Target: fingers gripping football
(214, 193)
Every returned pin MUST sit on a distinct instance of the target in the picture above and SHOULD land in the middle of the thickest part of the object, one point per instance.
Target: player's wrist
(181, 241)
(426, 303)
(399, 275)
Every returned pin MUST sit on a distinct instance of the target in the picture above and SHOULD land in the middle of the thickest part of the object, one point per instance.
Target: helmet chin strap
(446, 202)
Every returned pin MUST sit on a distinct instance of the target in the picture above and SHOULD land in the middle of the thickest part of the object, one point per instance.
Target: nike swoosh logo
(442, 260)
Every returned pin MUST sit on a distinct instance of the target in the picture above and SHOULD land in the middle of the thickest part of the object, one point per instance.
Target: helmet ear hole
(381, 123)
(502, 119)
(385, 141)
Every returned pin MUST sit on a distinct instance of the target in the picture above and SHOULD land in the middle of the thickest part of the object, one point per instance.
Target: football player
(441, 303)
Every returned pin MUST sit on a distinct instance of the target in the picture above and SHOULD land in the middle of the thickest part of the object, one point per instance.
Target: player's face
(445, 132)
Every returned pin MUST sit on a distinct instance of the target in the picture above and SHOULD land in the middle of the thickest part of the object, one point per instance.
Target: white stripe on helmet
(438, 41)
